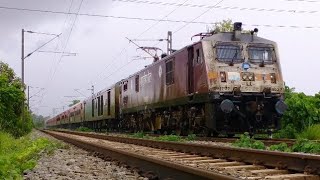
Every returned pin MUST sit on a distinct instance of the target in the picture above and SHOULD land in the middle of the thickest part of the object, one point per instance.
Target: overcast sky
(104, 55)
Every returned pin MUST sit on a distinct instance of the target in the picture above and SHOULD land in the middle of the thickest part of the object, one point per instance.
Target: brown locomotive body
(225, 83)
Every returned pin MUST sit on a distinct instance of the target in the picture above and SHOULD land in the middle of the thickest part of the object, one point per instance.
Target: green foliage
(303, 111)
(38, 120)
(18, 155)
(280, 147)
(11, 99)
(74, 102)
(191, 137)
(289, 131)
(84, 129)
(223, 26)
(311, 133)
(139, 135)
(247, 142)
(169, 138)
(307, 146)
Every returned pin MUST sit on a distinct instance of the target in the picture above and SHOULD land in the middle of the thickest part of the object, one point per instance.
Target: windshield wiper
(235, 55)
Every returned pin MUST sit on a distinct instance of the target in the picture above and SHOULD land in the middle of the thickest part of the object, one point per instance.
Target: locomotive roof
(243, 37)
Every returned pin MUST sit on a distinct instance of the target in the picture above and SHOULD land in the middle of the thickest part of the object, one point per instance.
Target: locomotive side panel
(162, 84)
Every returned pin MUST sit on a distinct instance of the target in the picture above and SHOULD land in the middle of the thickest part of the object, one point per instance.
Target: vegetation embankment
(302, 118)
(301, 145)
(18, 150)
(20, 154)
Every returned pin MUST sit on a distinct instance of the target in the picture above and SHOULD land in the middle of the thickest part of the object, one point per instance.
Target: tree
(74, 102)
(223, 26)
(11, 99)
(303, 111)
(39, 120)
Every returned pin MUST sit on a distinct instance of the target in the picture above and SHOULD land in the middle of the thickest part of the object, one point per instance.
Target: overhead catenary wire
(153, 19)
(152, 26)
(53, 69)
(206, 11)
(160, 3)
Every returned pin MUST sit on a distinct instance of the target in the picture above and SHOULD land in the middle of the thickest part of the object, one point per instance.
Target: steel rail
(163, 169)
(292, 161)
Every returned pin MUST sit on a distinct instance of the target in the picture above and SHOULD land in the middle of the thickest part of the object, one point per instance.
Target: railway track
(266, 141)
(194, 161)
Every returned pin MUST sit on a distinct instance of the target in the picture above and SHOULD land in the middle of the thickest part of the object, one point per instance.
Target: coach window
(101, 105)
(98, 102)
(137, 83)
(92, 107)
(170, 72)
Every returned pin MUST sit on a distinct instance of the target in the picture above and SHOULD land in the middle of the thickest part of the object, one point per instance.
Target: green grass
(246, 142)
(138, 135)
(18, 155)
(191, 137)
(311, 133)
(84, 129)
(307, 146)
(174, 138)
(283, 147)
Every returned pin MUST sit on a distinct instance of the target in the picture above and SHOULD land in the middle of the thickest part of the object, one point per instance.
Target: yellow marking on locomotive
(212, 75)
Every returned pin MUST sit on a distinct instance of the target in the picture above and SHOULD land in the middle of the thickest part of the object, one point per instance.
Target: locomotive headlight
(244, 77)
(223, 76)
(273, 78)
(251, 77)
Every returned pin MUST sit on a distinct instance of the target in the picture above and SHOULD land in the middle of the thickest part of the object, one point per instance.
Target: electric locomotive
(226, 83)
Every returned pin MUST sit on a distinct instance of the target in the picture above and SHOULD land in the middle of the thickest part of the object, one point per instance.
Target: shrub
(138, 135)
(18, 155)
(289, 131)
(307, 146)
(83, 129)
(246, 142)
(311, 133)
(169, 138)
(191, 137)
(280, 147)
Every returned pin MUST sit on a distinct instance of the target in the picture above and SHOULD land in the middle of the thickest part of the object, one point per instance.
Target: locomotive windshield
(229, 53)
(261, 55)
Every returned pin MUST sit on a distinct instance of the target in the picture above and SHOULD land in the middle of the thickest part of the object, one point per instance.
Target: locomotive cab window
(170, 72)
(229, 53)
(261, 55)
(125, 86)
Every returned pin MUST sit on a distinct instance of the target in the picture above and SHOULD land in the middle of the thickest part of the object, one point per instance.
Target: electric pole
(22, 71)
(28, 97)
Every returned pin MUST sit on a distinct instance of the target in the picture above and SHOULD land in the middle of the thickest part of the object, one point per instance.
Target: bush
(246, 142)
(83, 129)
(191, 137)
(138, 135)
(307, 146)
(18, 155)
(311, 133)
(11, 99)
(280, 147)
(289, 131)
(303, 111)
(169, 138)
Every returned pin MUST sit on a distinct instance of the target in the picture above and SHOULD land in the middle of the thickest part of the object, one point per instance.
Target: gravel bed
(75, 163)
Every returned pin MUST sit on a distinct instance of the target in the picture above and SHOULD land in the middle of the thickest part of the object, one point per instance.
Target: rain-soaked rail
(191, 161)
